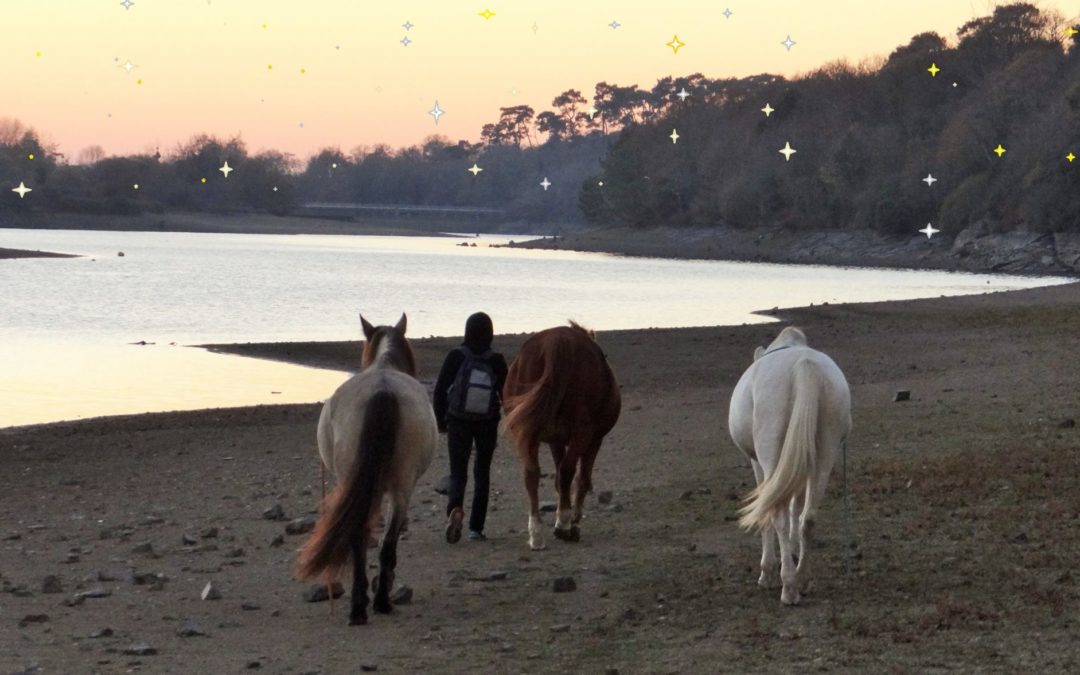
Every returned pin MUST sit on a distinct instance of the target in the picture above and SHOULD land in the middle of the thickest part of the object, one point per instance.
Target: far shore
(10, 253)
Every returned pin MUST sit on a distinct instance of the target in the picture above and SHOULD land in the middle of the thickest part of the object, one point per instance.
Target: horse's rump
(347, 509)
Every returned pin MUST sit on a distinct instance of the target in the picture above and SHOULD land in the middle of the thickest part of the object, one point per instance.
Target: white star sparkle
(436, 112)
(226, 169)
(787, 151)
(929, 180)
(789, 43)
(545, 183)
(929, 230)
(21, 190)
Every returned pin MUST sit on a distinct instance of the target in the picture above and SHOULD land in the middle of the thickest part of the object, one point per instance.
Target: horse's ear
(369, 330)
(758, 352)
(400, 327)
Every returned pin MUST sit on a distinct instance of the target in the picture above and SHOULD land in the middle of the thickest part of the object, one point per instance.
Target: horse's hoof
(571, 534)
(383, 606)
(769, 581)
(537, 545)
(358, 619)
(789, 597)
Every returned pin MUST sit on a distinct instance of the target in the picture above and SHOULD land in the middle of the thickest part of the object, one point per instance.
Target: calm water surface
(66, 324)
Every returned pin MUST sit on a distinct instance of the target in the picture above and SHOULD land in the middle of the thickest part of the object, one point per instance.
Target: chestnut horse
(561, 391)
(376, 435)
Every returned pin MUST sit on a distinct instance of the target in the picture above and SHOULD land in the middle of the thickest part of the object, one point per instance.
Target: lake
(66, 324)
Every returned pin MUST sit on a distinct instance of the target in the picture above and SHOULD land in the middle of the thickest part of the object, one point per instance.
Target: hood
(478, 333)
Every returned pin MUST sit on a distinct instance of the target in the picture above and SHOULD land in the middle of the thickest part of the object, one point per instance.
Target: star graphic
(128, 66)
(614, 25)
(787, 151)
(728, 13)
(929, 230)
(789, 43)
(21, 190)
(683, 94)
(1070, 157)
(226, 169)
(674, 136)
(436, 112)
(591, 112)
(487, 14)
(275, 188)
(405, 40)
(768, 110)
(535, 28)
(675, 44)
(127, 4)
(545, 183)
(407, 25)
(999, 150)
(474, 169)
(1070, 31)
(934, 70)
(929, 180)
(135, 186)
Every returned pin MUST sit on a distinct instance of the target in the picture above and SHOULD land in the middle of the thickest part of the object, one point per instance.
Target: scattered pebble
(249, 605)
(301, 525)
(253, 665)
(278, 540)
(33, 618)
(564, 584)
(209, 533)
(902, 395)
(275, 512)
(188, 540)
(210, 592)
(402, 596)
(317, 592)
(190, 629)
(368, 667)
(140, 649)
(548, 507)
(605, 497)
(52, 584)
(491, 576)
(1067, 423)
(103, 633)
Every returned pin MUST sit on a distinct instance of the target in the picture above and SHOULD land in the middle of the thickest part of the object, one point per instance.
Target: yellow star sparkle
(675, 44)
(934, 70)
(37, 54)
(1070, 157)
(487, 14)
(999, 150)
(202, 180)
(30, 156)
(1070, 31)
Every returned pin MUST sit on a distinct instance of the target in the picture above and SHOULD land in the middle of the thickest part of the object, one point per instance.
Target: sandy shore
(963, 514)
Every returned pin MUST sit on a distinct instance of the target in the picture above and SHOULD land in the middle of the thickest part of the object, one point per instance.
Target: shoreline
(975, 249)
(18, 253)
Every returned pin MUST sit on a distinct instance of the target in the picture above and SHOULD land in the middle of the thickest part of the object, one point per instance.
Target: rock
(1021, 538)
(71, 557)
(253, 665)
(235, 553)
(402, 596)
(564, 584)
(123, 575)
(443, 485)
(103, 633)
(96, 592)
(209, 533)
(145, 548)
(368, 667)
(33, 618)
(277, 541)
(1067, 423)
(548, 507)
(686, 495)
(190, 629)
(52, 584)
(210, 592)
(188, 540)
(490, 576)
(249, 605)
(317, 592)
(560, 628)
(902, 395)
(605, 497)
(155, 581)
(275, 512)
(140, 649)
(305, 523)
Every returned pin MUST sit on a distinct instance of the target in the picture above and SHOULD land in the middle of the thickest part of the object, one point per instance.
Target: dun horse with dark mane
(561, 391)
(376, 435)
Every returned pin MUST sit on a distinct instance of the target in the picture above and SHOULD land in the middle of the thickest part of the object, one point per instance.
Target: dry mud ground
(964, 517)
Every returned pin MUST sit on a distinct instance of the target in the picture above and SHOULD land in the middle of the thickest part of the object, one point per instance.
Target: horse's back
(342, 418)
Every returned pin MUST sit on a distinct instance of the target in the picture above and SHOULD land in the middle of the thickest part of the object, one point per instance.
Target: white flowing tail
(798, 456)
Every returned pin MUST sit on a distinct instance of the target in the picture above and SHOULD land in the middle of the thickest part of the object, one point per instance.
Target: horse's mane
(577, 326)
(399, 354)
(790, 337)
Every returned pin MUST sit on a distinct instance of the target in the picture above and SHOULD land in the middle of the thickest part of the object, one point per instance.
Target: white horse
(790, 413)
(376, 435)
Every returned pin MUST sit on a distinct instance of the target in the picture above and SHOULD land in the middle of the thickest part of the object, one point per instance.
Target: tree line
(864, 135)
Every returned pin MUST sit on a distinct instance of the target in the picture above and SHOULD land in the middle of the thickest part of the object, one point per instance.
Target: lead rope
(322, 503)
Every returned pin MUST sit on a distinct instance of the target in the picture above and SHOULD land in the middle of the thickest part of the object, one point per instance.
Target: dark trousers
(460, 436)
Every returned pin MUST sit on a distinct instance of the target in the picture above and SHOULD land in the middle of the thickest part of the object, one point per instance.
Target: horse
(790, 414)
(376, 435)
(561, 391)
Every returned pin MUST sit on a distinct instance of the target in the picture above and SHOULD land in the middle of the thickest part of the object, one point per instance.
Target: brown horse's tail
(347, 509)
(538, 407)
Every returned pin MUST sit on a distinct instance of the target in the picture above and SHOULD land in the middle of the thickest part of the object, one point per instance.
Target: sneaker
(476, 536)
(453, 525)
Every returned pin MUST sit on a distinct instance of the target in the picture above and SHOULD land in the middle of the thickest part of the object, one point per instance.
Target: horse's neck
(391, 361)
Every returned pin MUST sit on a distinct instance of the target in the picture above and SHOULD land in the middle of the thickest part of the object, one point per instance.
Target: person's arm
(499, 365)
(442, 386)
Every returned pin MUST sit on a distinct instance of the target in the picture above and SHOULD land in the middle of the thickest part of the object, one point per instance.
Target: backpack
(472, 395)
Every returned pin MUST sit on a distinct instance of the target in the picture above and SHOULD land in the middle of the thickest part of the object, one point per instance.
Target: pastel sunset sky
(300, 75)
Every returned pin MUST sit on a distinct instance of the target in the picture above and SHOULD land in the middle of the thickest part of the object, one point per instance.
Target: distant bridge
(346, 210)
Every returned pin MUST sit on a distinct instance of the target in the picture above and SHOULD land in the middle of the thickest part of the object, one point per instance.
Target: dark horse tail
(347, 509)
(537, 408)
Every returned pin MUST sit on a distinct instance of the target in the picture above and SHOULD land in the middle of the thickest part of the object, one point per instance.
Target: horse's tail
(798, 456)
(347, 509)
(529, 412)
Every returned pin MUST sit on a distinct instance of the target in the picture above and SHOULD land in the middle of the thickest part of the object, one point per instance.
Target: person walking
(467, 404)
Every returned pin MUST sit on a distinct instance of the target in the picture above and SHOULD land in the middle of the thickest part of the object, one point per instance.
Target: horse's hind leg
(359, 600)
(531, 464)
(789, 594)
(583, 482)
(564, 482)
(770, 577)
(815, 493)
(388, 560)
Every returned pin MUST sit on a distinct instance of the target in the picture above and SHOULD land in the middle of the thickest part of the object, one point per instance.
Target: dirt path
(964, 512)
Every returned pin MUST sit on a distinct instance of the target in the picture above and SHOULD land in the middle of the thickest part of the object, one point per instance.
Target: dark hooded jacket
(478, 335)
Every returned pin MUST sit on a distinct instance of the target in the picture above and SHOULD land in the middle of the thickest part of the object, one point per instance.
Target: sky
(299, 76)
